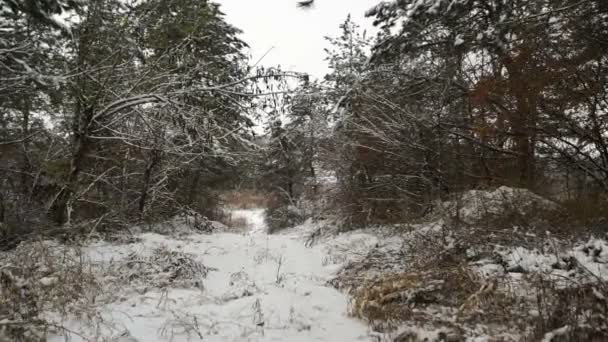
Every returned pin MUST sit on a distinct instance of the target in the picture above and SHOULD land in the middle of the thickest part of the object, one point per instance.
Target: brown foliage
(245, 199)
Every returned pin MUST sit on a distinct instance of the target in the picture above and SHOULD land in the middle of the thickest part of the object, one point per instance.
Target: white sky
(296, 34)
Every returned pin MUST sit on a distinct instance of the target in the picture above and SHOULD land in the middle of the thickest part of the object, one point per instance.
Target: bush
(43, 277)
(282, 213)
(161, 268)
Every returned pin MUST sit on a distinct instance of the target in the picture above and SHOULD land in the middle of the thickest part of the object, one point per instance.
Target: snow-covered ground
(259, 287)
(242, 284)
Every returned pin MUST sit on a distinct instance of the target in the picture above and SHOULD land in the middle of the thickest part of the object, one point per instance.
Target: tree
(152, 111)
(32, 68)
(45, 11)
(467, 94)
(347, 58)
(291, 154)
(505, 56)
(164, 105)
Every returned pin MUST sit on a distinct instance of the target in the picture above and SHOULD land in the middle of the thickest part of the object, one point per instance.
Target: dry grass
(43, 284)
(439, 283)
(163, 267)
(44, 277)
(244, 199)
(456, 301)
(396, 298)
(579, 311)
(442, 291)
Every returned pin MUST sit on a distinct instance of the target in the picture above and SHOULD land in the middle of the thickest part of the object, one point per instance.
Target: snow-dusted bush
(18, 309)
(281, 215)
(43, 277)
(161, 268)
(475, 205)
(186, 222)
(393, 297)
(472, 281)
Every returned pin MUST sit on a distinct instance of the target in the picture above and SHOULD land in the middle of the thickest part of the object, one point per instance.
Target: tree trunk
(25, 161)
(154, 160)
(193, 188)
(60, 211)
(522, 122)
(2, 208)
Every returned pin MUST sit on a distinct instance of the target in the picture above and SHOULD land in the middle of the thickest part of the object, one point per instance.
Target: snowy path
(263, 288)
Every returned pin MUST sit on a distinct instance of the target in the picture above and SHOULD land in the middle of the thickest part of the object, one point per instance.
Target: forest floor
(256, 287)
(429, 281)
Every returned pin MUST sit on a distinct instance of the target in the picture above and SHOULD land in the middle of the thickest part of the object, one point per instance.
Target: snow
(253, 286)
(255, 219)
(48, 281)
(575, 265)
(459, 40)
(473, 205)
(556, 333)
(260, 287)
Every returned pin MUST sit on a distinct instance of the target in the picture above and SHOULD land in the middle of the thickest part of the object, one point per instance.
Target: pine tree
(347, 58)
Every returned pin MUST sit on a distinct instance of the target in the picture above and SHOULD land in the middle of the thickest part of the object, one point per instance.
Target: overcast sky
(295, 35)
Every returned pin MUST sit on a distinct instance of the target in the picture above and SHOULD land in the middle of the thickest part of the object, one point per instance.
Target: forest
(446, 180)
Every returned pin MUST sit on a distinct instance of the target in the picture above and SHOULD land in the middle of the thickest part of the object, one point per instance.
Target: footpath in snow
(258, 287)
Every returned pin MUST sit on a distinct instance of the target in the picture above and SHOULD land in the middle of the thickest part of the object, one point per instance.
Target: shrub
(282, 213)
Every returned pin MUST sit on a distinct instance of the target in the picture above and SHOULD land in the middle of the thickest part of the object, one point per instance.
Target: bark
(522, 122)
(194, 187)
(82, 144)
(154, 161)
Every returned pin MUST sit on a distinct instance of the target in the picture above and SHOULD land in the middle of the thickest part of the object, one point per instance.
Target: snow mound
(411, 286)
(161, 268)
(576, 265)
(475, 205)
(183, 224)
